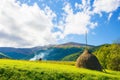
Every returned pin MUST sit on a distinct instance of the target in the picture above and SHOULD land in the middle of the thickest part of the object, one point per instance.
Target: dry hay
(89, 61)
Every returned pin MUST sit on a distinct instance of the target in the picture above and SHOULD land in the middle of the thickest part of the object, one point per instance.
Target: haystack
(89, 61)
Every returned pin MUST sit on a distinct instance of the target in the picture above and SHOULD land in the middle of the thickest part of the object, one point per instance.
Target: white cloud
(49, 12)
(92, 25)
(93, 33)
(22, 25)
(81, 21)
(105, 5)
(67, 8)
(110, 15)
(85, 6)
(119, 17)
(78, 23)
(25, 26)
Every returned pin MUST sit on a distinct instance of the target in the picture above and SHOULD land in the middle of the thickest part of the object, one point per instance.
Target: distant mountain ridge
(49, 52)
(74, 44)
(16, 53)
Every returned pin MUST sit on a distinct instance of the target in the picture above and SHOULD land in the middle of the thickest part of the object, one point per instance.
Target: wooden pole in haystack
(86, 39)
(88, 60)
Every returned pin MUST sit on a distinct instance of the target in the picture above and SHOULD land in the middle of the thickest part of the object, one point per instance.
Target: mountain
(48, 52)
(2, 55)
(73, 44)
(16, 53)
(57, 52)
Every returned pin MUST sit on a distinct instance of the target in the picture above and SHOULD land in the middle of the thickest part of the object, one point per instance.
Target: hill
(74, 56)
(16, 53)
(27, 70)
(71, 57)
(3, 56)
(48, 52)
(107, 54)
(73, 44)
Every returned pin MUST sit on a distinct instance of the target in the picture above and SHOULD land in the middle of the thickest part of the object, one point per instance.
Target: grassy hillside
(74, 56)
(59, 53)
(50, 70)
(107, 54)
(71, 57)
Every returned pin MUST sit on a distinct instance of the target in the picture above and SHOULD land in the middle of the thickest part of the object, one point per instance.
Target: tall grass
(50, 70)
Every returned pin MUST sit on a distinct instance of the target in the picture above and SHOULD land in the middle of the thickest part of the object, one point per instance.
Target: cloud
(22, 25)
(105, 5)
(79, 22)
(118, 17)
(93, 33)
(93, 25)
(110, 15)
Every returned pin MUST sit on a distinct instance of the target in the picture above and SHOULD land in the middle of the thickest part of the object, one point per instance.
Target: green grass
(50, 70)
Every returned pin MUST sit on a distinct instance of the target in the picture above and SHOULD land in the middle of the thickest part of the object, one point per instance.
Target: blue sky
(41, 22)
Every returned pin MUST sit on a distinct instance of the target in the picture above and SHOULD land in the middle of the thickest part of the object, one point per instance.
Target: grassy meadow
(50, 70)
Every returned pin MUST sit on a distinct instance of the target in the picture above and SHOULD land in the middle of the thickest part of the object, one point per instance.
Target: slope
(25, 70)
(71, 57)
(16, 53)
(48, 52)
(74, 56)
(3, 55)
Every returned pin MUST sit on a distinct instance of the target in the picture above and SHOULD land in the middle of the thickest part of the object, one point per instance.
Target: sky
(29, 23)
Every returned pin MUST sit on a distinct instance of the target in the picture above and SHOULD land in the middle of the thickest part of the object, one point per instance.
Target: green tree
(109, 56)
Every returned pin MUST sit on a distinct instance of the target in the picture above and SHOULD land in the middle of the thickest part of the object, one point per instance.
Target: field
(50, 70)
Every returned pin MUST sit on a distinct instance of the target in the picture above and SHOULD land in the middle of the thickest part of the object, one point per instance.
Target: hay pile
(89, 61)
